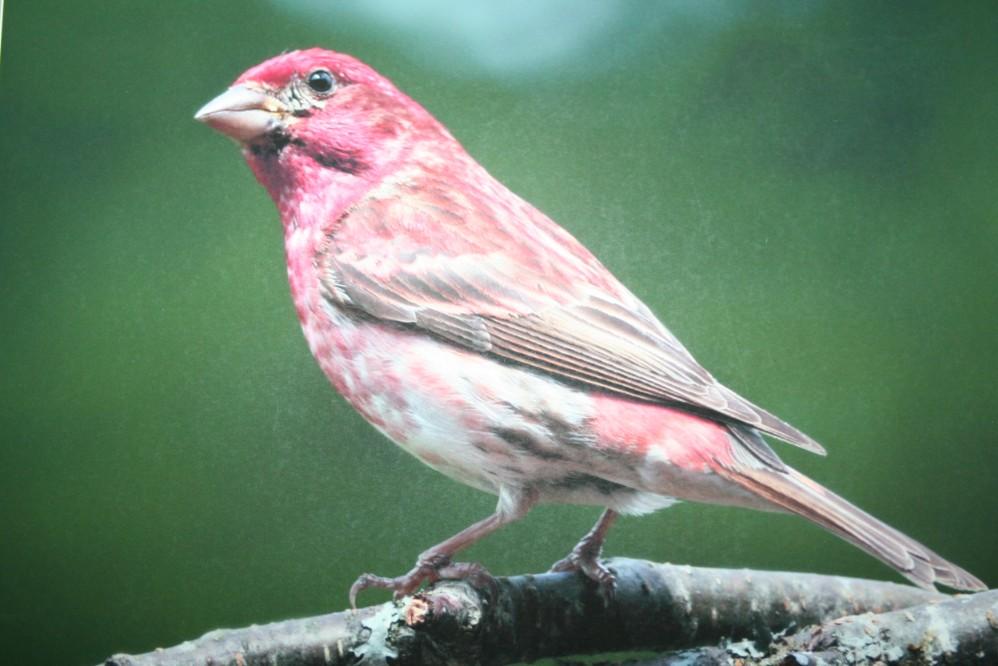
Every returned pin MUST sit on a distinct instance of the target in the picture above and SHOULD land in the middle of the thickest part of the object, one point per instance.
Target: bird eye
(321, 81)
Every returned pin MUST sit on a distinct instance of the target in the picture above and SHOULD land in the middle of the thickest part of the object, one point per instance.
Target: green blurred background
(804, 191)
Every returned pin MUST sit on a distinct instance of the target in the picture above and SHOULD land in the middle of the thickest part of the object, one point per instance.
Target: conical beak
(244, 113)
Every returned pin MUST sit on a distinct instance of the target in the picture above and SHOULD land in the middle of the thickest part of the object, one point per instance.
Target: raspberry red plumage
(484, 339)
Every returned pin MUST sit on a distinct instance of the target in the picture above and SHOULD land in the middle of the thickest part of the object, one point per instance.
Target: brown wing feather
(509, 282)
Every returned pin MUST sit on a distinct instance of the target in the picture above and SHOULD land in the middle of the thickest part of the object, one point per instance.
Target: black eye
(320, 81)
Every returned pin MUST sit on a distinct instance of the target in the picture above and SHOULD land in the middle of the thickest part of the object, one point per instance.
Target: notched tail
(798, 494)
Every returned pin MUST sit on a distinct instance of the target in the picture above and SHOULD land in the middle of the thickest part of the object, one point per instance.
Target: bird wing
(495, 275)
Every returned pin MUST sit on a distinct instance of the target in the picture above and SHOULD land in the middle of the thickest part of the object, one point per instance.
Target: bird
(485, 340)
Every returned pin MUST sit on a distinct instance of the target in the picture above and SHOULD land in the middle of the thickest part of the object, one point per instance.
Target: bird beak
(244, 113)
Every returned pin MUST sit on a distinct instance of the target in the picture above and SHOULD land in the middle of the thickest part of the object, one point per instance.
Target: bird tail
(792, 491)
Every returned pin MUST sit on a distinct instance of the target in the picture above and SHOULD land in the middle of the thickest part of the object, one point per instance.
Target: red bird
(485, 340)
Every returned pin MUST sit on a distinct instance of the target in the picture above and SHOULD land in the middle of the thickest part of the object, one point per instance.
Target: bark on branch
(656, 607)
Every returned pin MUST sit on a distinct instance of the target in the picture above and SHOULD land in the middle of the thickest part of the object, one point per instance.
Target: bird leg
(585, 556)
(435, 563)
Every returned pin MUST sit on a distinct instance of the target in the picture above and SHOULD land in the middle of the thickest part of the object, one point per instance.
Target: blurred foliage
(805, 192)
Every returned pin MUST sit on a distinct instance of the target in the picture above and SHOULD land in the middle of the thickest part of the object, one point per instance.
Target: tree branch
(522, 618)
(960, 630)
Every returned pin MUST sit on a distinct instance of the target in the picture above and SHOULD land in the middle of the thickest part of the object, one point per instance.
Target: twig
(522, 618)
(961, 630)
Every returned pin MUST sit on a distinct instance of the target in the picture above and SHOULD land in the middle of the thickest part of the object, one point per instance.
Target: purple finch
(485, 340)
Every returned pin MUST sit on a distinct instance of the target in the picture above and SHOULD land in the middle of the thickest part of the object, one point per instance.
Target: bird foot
(585, 558)
(427, 570)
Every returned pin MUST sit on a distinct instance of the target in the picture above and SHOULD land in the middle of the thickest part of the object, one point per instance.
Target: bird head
(316, 118)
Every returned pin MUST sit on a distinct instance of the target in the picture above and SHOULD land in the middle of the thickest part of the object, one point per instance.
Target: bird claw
(400, 585)
(586, 560)
(473, 572)
(427, 570)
